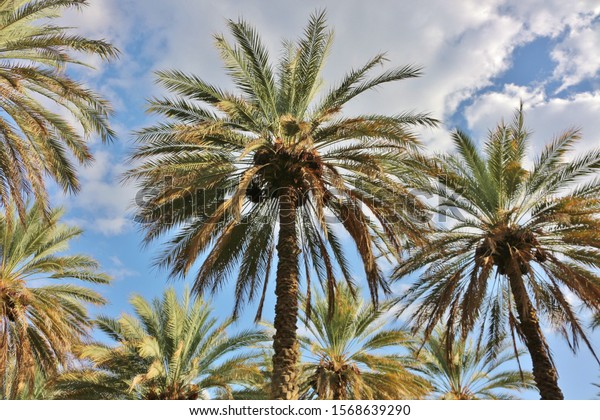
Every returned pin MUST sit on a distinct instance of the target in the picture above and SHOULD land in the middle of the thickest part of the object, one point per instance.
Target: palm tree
(519, 239)
(354, 356)
(171, 350)
(466, 372)
(273, 167)
(36, 141)
(41, 317)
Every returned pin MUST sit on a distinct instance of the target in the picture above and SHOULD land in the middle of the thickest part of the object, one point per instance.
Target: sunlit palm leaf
(42, 318)
(172, 349)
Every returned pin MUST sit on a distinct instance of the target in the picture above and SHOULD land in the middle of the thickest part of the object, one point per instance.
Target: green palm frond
(466, 372)
(515, 239)
(350, 354)
(36, 142)
(42, 318)
(173, 348)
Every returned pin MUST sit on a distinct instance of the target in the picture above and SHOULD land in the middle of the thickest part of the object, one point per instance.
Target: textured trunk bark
(285, 343)
(544, 373)
(338, 393)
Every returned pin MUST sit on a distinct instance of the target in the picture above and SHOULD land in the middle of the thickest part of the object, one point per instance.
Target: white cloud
(116, 260)
(463, 47)
(103, 205)
(121, 273)
(546, 116)
(109, 226)
(578, 56)
(551, 17)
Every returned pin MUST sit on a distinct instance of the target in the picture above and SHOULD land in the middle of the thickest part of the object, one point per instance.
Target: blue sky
(479, 57)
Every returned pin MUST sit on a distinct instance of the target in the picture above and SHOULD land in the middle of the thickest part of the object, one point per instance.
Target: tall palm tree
(466, 372)
(171, 350)
(273, 167)
(518, 240)
(35, 140)
(353, 356)
(41, 317)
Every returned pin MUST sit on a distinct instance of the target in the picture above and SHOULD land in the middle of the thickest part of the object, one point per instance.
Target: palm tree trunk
(544, 373)
(285, 343)
(338, 393)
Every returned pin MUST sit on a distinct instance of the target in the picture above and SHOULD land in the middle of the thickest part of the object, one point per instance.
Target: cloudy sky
(480, 58)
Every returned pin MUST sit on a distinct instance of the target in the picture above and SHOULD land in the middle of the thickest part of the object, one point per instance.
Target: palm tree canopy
(36, 141)
(545, 220)
(466, 372)
(171, 349)
(41, 317)
(540, 224)
(352, 355)
(217, 168)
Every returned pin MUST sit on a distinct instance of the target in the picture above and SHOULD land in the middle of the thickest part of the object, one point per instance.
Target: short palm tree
(466, 371)
(518, 240)
(41, 317)
(273, 167)
(170, 350)
(35, 141)
(352, 355)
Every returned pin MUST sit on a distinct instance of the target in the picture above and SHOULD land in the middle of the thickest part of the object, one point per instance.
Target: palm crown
(520, 239)
(351, 355)
(465, 371)
(171, 350)
(40, 323)
(35, 140)
(228, 168)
